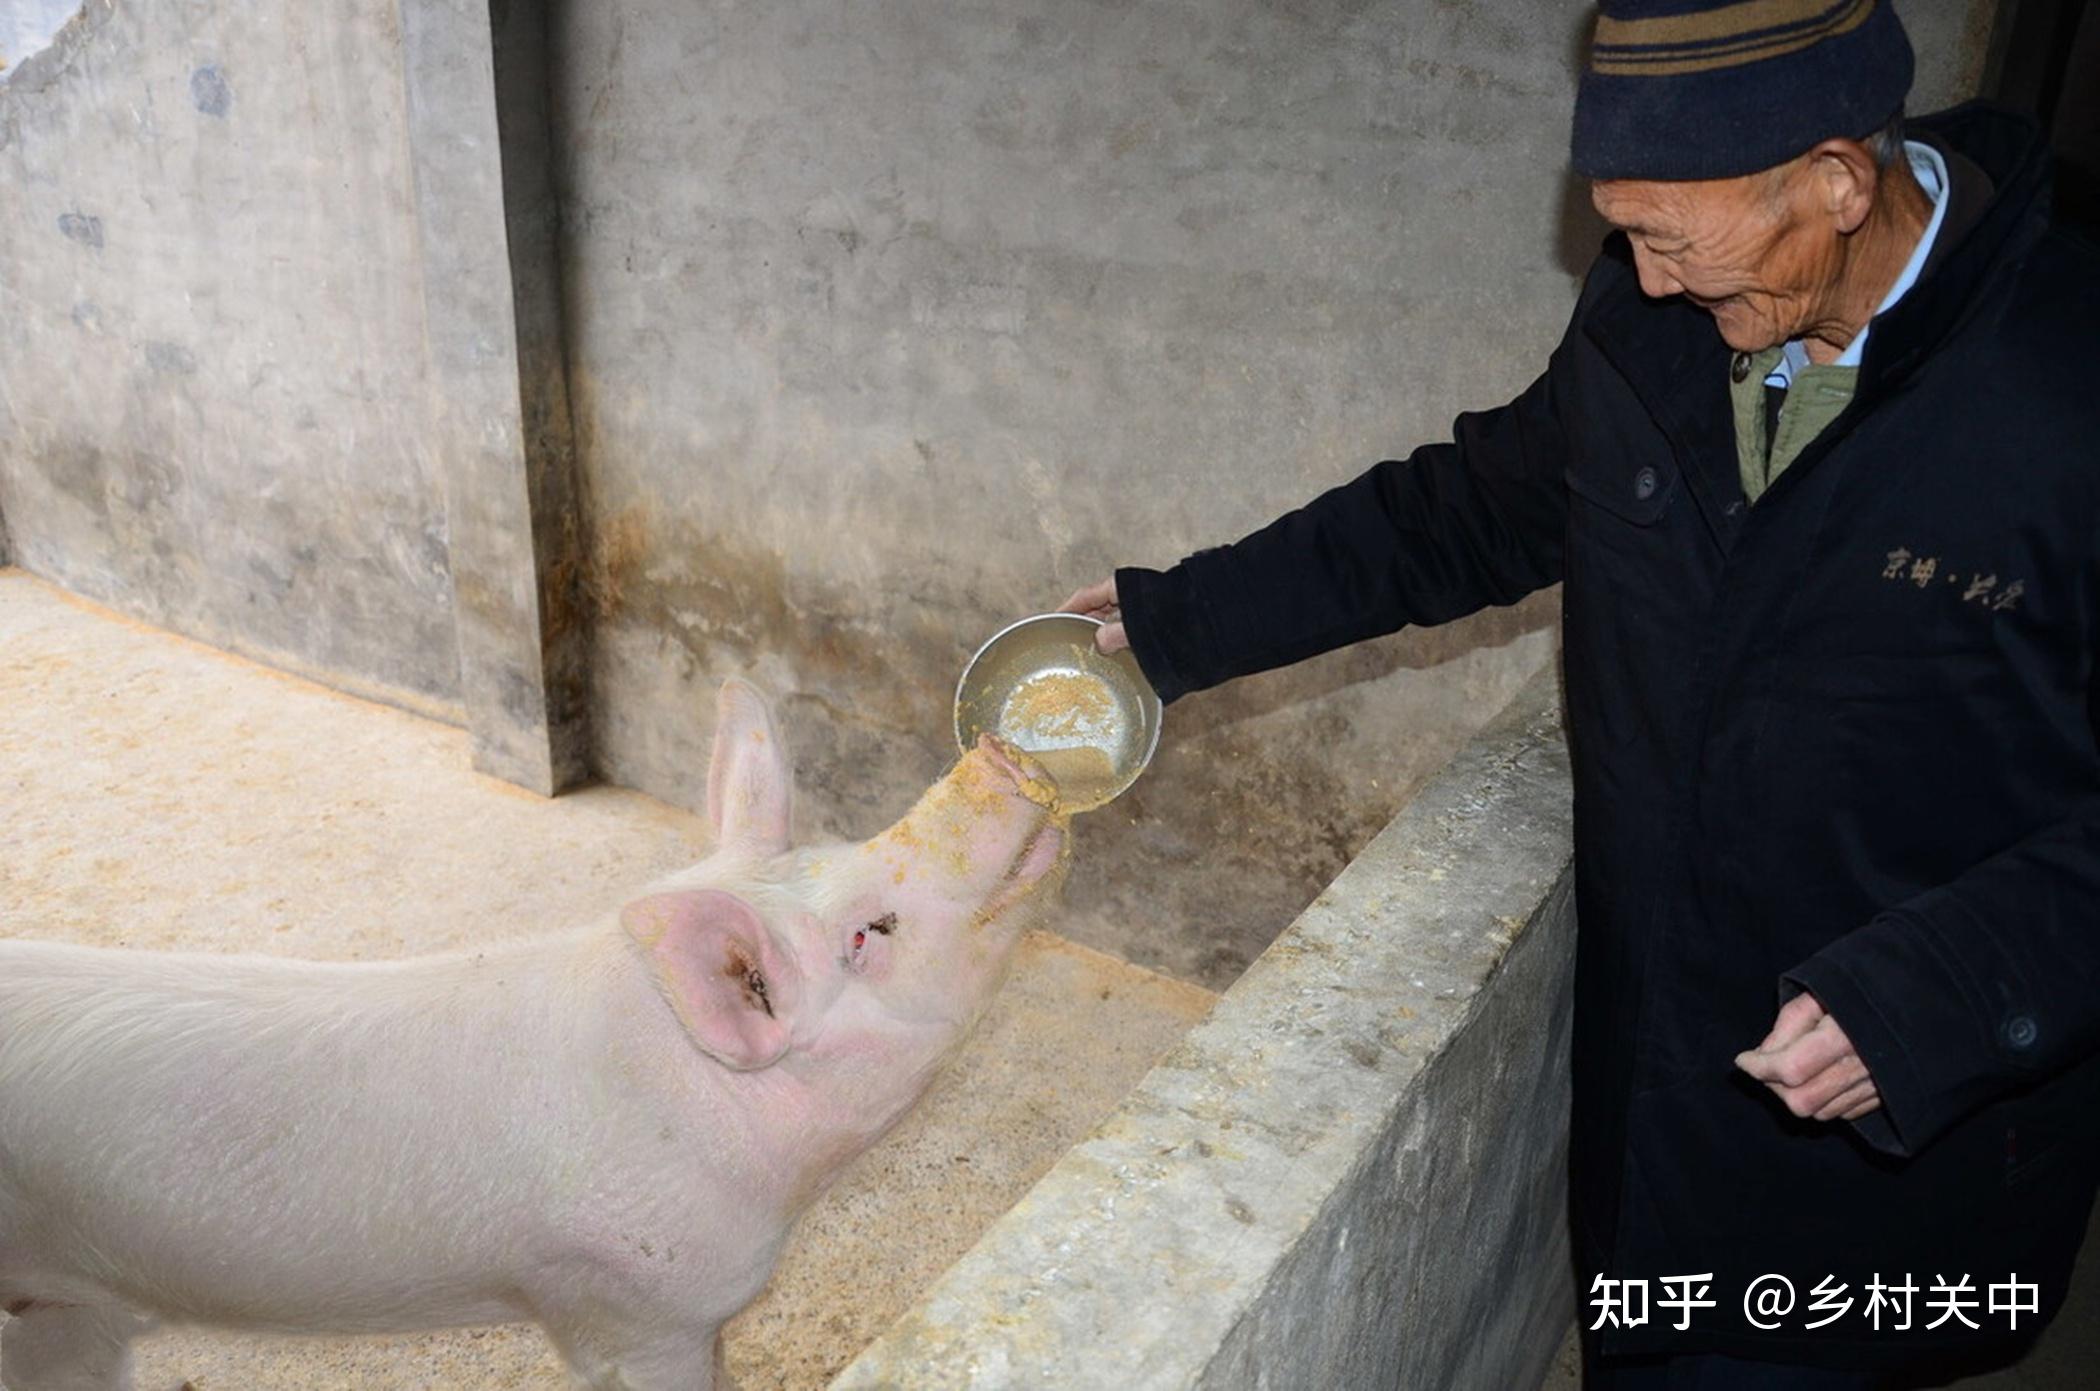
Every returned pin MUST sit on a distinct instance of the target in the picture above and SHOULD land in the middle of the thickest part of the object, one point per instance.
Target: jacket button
(2020, 1031)
(1644, 484)
(1740, 368)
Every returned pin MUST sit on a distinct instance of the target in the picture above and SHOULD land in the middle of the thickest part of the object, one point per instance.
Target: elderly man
(1831, 606)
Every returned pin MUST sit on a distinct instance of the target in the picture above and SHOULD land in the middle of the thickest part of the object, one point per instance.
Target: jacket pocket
(1635, 487)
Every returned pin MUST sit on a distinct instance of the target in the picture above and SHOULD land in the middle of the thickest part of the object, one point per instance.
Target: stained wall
(212, 379)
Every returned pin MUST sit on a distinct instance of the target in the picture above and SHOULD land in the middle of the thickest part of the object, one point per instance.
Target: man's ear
(749, 784)
(1847, 176)
(714, 961)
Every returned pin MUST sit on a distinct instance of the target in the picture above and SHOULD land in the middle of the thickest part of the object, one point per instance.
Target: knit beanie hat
(1712, 89)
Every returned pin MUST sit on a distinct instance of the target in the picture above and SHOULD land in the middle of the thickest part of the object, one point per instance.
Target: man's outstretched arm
(1451, 529)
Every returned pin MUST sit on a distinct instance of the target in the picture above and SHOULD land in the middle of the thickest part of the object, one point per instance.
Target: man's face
(1748, 251)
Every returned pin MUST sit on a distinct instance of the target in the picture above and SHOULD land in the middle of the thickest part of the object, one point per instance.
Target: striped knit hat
(1710, 89)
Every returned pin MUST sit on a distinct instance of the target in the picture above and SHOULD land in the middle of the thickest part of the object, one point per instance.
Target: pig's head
(867, 961)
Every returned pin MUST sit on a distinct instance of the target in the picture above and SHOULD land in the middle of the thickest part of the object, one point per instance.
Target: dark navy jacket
(1843, 740)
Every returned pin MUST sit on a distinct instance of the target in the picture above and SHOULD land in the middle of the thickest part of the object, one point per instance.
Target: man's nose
(1656, 280)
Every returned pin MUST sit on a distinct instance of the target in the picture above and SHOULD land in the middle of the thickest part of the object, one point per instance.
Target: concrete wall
(876, 327)
(888, 330)
(891, 326)
(212, 412)
(1352, 1173)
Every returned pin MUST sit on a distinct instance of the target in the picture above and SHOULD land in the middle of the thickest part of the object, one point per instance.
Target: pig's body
(513, 1129)
(606, 1131)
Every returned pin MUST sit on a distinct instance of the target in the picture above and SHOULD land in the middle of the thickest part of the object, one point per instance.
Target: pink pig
(607, 1131)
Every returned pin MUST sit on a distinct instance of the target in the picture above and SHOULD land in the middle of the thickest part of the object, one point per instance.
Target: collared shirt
(1815, 394)
(1931, 172)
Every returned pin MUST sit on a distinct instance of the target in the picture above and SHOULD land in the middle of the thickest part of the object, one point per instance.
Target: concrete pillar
(477, 104)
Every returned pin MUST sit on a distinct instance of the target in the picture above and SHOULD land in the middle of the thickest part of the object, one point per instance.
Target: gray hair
(1887, 143)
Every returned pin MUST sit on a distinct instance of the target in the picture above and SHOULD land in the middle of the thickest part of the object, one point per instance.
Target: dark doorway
(2045, 60)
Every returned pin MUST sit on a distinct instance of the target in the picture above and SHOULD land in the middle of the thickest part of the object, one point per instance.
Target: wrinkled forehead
(1677, 207)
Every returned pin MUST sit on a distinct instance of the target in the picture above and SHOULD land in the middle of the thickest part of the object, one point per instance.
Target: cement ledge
(37, 71)
(1350, 1173)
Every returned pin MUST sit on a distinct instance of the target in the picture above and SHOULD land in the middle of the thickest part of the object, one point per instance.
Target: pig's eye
(884, 925)
(857, 958)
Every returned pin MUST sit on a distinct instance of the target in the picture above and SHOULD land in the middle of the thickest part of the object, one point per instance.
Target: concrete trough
(1351, 1173)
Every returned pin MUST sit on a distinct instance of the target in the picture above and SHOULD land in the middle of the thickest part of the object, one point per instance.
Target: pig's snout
(991, 826)
(1002, 756)
(1044, 847)
(1023, 771)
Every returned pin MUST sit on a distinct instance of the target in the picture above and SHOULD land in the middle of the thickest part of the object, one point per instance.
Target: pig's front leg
(68, 1347)
(637, 1359)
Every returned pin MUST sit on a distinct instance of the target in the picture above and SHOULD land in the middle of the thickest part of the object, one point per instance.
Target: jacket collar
(1992, 224)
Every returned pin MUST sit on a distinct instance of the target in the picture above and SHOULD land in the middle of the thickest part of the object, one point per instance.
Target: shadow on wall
(1582, 231)
(27, 27)
(1411, 649)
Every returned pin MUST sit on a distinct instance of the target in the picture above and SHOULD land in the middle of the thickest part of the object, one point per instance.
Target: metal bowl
(1040, 684)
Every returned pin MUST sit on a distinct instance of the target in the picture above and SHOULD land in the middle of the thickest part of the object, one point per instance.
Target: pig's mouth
(1034, 862)
(1039, 854)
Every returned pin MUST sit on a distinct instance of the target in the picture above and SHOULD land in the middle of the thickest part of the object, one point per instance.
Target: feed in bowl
(1089, 720)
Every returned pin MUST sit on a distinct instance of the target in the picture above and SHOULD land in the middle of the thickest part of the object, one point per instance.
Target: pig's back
(166, 1117)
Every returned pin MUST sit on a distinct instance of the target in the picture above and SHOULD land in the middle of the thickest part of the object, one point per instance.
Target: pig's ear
(714, 961)
(748, 784)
